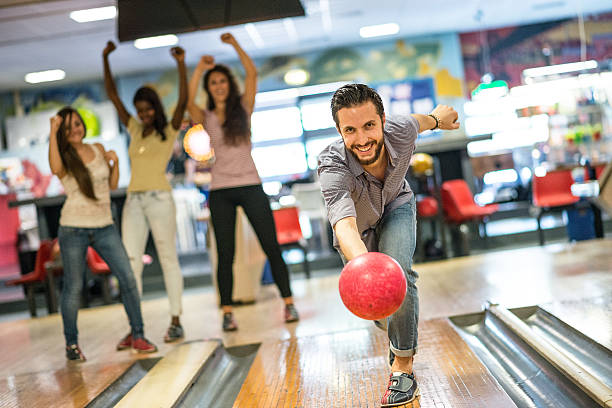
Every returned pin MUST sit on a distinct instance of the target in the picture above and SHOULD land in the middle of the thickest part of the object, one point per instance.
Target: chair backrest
(10, 219)
(43, 255)
(287, 222)
(456, 198)
(552, 183)
(95, 262)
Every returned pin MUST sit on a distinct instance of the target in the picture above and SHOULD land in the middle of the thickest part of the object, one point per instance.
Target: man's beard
(377, 150)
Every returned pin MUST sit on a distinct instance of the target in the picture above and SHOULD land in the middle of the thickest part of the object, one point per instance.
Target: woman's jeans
(107, 243)
(153, 211)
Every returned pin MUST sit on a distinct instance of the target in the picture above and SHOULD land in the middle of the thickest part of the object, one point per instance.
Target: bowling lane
(350, 369)
(524, 277)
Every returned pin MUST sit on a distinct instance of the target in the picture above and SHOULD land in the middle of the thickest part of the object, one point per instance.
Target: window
(316, 113)
(276, 124)
(279, 160)
(315, 146)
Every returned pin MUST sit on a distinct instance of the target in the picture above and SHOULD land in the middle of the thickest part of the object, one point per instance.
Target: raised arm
(206, 62)
(55, 160)
(111, 88)
(179, 55)
(442, 117)
(250, 81)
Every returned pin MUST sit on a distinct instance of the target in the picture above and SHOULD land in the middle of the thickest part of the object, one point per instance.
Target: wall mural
(513, 49)
(437, 57)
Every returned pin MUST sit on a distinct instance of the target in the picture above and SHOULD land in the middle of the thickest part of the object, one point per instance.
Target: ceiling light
(378, 30)
(94, 14)
(296, 77)
(560, 69)
(153, 42)
(45, 76)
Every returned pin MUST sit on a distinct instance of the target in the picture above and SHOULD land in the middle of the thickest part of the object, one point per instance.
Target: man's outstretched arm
(442, 117)
(349, 239)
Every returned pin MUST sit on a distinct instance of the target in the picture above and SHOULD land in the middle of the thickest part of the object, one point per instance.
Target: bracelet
(436, 119)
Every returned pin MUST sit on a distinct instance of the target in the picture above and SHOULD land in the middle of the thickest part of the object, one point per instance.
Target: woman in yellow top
(149, 205)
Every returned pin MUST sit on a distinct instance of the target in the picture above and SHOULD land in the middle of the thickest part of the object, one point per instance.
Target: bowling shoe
(229, 324)
(125, 342)
(402, 389)
(143, 346)
(174, 332)
(291, 314)
(74, 353)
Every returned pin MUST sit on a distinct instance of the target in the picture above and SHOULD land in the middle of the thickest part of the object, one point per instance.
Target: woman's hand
(110, 47)
(111, 158)
(228, 38)
(206, 62)
(178, 54)
(56, 122)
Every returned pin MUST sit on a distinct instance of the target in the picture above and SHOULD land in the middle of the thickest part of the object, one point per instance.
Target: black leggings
(253, 200)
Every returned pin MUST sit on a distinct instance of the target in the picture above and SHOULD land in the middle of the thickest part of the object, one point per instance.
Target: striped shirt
(234, 165)
(350, 191)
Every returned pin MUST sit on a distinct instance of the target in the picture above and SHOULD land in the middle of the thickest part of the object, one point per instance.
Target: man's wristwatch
(437, 119)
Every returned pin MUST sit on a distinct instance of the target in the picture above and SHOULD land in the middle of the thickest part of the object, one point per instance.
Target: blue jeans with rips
(107, 243)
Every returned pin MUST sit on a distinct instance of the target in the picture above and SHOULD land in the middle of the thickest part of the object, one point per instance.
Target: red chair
(460, 208)
(552, 191)
(428, 209)
(9, 230)
(289, 232)
(38, 276)
(98, 267)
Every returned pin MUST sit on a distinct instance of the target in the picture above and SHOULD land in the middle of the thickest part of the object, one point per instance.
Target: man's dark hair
(354, 95)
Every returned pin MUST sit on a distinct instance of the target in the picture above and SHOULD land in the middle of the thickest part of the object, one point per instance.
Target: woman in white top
(88, 172)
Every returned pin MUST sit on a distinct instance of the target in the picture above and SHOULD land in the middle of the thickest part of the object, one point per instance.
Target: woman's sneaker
(174, 333)
(291, 314)
(125, 343)
(73, 352)
(402, 389)
(229, 324)
(143, 346)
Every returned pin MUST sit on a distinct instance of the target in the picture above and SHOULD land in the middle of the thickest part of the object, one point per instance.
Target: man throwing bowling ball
(372, 208)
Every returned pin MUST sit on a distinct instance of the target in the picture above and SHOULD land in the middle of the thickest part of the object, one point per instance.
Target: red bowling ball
(372, 286)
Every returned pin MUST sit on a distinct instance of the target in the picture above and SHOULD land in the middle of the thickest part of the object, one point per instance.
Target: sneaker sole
(75, 360)
(121, 348)
(144, 351)
(172, 340)
(405, 404)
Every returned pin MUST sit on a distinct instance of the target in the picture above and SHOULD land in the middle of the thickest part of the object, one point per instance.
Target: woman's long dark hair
(236, 126)
(71, 160)
(148, 94)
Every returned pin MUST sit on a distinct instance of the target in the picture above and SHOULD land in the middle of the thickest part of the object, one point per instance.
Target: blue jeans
(107, 243)
(396, 237)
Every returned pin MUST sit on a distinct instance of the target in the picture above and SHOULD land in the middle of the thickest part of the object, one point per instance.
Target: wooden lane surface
(350, 369)
(71, 386)
(34, 348)
(169, 379)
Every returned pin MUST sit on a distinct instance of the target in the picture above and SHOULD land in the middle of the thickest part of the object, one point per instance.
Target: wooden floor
(34, 372)
(315, 371)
